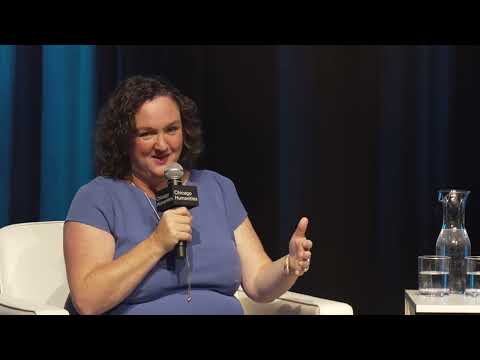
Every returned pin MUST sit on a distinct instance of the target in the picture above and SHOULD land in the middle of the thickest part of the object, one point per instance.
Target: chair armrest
(15, 306)
(325, 306)
(291, 303)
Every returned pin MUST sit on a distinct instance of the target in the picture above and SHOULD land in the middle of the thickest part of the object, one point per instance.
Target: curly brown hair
(116, 124)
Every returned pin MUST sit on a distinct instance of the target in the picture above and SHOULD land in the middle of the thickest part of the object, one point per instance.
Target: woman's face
(158, 141)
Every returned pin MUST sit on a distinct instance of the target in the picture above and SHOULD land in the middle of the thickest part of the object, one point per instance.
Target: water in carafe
(453, 240)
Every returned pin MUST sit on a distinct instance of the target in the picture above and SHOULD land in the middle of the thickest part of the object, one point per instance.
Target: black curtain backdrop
(357, 138)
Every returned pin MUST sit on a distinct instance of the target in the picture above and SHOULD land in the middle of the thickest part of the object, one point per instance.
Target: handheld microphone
(176, 195)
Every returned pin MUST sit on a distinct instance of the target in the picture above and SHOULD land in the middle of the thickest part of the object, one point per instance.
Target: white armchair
(33, 279)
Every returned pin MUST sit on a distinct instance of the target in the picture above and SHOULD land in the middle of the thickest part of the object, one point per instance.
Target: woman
(118, 248)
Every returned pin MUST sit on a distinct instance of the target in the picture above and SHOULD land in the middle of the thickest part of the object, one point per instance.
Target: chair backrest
(32, 264)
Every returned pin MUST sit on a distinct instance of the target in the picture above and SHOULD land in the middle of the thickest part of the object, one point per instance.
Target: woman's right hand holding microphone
(175, 225)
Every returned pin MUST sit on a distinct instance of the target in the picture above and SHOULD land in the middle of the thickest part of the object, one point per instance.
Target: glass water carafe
(453, 240)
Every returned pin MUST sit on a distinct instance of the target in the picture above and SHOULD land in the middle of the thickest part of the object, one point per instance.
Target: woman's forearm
(108, 285)
(271, 281)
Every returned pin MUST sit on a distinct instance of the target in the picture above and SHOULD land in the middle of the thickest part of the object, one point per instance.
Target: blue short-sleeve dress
(124, 211)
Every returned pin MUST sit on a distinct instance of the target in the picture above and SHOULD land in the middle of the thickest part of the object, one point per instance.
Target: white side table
(450, 304)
